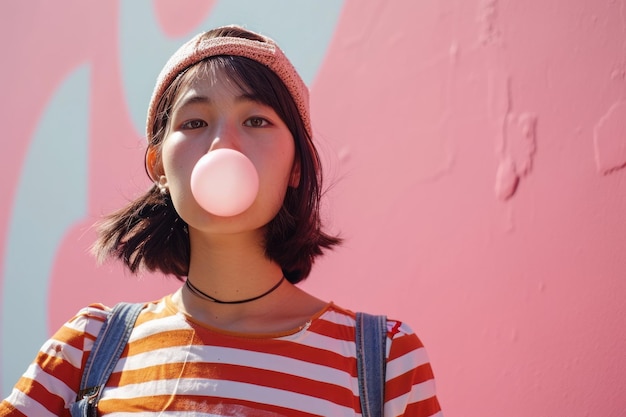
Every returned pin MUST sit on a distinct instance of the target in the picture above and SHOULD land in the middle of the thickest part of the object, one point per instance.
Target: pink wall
(476, 153)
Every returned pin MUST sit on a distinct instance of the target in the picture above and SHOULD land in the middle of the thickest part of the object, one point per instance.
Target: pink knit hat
(267, 53)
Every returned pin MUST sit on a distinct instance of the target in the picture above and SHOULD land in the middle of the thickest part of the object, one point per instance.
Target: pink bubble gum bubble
(224, 182)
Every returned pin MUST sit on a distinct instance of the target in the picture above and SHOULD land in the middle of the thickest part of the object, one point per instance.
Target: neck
(230, 268)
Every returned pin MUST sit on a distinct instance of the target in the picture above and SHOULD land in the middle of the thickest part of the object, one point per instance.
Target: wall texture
(476, 161)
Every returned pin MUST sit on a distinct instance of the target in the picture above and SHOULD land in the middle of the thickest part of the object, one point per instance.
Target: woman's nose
(225, 136)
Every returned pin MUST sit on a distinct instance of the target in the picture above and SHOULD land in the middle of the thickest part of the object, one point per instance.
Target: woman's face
(214, 113)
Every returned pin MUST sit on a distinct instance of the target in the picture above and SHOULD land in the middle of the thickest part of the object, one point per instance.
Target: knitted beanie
(267, 53)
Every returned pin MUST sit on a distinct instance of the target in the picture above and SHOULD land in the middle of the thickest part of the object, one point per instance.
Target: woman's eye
(256, 122)
(193, 124)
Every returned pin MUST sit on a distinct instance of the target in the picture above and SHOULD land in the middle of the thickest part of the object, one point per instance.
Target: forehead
(208, 78)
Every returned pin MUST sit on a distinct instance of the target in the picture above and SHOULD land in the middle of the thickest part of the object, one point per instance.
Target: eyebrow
(199, 99)
(195, 99)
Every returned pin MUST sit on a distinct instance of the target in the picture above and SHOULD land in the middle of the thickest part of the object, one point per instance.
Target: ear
(153, 166)
(294, 179)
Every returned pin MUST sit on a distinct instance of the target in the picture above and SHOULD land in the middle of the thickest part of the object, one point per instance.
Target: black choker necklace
(196, 291)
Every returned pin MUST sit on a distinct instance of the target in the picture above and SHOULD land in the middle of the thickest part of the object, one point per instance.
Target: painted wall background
(476, 161)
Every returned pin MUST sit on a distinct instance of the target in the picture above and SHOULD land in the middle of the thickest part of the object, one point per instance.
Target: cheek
(177, 166)
(182, 198)
(177, 160)
(275, 176)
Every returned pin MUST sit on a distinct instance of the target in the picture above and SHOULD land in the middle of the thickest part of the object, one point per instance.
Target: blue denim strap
(104, 355)
(371, 353)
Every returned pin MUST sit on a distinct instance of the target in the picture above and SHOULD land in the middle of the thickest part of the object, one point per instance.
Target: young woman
(238, 338)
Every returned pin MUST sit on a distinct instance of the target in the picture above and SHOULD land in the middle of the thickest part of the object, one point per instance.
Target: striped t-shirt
(174, 366)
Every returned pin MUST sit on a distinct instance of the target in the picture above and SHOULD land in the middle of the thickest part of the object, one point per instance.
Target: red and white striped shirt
(174, 366)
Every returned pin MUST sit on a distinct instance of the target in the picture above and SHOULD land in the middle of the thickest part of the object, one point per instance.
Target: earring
(162, 184)
(163, 189)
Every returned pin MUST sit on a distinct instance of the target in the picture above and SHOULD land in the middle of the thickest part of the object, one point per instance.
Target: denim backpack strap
(104, 355)
(371, 353)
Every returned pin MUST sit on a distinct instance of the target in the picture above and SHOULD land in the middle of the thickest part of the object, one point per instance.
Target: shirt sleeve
(51, 382)
(410, 387)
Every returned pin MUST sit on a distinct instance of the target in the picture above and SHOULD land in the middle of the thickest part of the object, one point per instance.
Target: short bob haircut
(148, 234)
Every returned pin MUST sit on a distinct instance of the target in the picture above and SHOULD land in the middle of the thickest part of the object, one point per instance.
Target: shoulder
(396, 329)
(89, 316)
(406, 352)
(85, 324)
(82, 329)
(405, 349)
(402, 334)
(399, 333)
(76, 336)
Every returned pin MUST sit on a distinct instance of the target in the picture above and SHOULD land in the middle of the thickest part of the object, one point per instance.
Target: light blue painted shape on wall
(302, 28)
(51, 196)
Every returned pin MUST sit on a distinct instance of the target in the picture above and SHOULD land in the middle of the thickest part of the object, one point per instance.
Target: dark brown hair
(149, 234)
